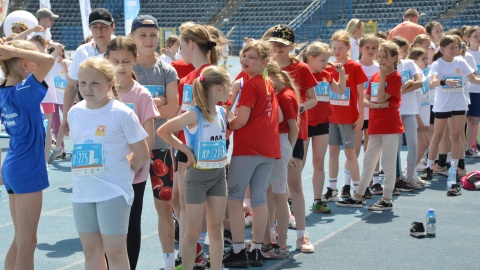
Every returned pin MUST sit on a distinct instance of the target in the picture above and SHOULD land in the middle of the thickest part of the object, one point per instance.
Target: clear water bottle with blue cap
(452, 176)
(431, 223)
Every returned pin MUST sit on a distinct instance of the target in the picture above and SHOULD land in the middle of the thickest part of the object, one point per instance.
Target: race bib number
(459, 87)
(374, 92)
(156, 90)
(60, 84)
(212, 155)
(130, 105)
(87, 159)
(322, 90)
(405, 75)
(187, 99)
(425, 87)
(340, 99)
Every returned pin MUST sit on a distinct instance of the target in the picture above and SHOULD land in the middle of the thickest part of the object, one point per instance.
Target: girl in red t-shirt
(282, 42)
(256, 146)
(383, 97)
(316, 55)
(346, 117)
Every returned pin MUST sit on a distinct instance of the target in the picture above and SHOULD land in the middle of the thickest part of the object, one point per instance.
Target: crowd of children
(138, 119)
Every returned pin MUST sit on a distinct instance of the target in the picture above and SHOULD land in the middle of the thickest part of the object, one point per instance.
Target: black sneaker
(381, 205)
(381, 173)
(368, 194)
(346, 191)
(227, 236)
(178, 261)
(396, 192)
(455, 190)
(417, 230)
(63, 156)
(427, 174)
(349, 202)
(256, 258)
(177, 229)
(235, 260)
(377, 189)
(402, 186)
(331, 195)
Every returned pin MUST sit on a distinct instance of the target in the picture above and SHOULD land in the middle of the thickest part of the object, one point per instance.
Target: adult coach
(409, 28)
(46, 19)
(102, 27)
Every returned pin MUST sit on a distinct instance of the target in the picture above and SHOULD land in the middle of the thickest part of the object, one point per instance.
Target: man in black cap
(102, 27)
(46, 19)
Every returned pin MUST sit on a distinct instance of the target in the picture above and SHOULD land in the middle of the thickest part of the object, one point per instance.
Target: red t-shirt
(182, 68)
(288, 102)
(303, 78)
(320, 113)
(386, 120)
(187, 80)
(242, 75)
(345, 107)
(260, 134)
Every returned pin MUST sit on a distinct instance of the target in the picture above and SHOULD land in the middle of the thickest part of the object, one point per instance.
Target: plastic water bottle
(452, 176)
(431, 223)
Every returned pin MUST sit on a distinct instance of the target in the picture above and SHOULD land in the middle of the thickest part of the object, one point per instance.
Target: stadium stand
(311, 19)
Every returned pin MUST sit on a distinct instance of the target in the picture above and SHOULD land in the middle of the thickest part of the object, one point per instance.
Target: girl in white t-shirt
(448, 75)
(411, 81)
(122, 53)
(472, 36)
(109, 147)
(420, 57)
(205, 127)
(170, 53)
(368, 52)
(355, 31)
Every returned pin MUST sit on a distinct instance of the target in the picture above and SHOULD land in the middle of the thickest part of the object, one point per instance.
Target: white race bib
(340, 100)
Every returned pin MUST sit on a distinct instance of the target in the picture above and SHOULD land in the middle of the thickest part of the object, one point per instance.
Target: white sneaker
(54, 153)
(423, 161)
(412, 183)
(420, 167)
(304, 245)
(419, 180)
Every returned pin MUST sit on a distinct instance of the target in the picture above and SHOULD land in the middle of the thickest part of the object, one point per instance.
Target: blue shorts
(33, 181)
(474, 106)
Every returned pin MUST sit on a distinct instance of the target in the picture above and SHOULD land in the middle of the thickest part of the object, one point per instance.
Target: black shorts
(365, 124)
(298, 150)
(446, 115)
(180, 157)
(320, 129)
(432, 115)
(161, 171)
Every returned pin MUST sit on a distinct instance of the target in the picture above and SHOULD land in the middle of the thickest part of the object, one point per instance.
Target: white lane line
(317, 243)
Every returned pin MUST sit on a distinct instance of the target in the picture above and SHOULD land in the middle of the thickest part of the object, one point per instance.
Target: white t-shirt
(115, 126)
(408, 69)
(168, 60)
(450, 101)
(369, 71)
(354, 49)
(60, 79)
(474, 88)
(83, 52)
(51, 96)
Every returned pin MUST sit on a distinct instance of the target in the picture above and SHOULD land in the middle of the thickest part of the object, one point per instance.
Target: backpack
(468, 181)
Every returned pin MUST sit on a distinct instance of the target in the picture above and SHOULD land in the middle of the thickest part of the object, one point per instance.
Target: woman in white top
(472, 36)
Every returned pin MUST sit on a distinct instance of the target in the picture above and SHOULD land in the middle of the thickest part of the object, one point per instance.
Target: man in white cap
(102, 27)
(46, 19)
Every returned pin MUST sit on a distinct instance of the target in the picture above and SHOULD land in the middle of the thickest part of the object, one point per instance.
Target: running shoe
(330, 196)
(255, 257)
(427, 174)
(274, 252)
(417, 230)
(402, 186)
(377, 189)
(292, 224)
(346, 191)
(455, 190)
(381, 205)
(439, 170)
(236, 260)
(321, 207)
(304, 245)
(350, 203)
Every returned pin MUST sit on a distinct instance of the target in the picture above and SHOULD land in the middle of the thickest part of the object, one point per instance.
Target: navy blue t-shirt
(24, 168)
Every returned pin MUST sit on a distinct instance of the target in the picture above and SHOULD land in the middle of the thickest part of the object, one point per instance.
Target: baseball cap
(283, 34)
(100, 15)
(45, 13)
(144, 21)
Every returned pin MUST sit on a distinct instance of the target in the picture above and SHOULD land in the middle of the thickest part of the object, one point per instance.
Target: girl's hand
(38, 28)
(382, 105)
(191, 158)
(421, 126)
(453, 83)
(338, 67)
(358, 124)
(383, 71)
(291, 163)
(168, 53)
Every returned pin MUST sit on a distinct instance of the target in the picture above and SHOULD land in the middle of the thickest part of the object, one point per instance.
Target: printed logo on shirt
(457, 71)
(8, 118)
(347, 76)
(101, 130)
